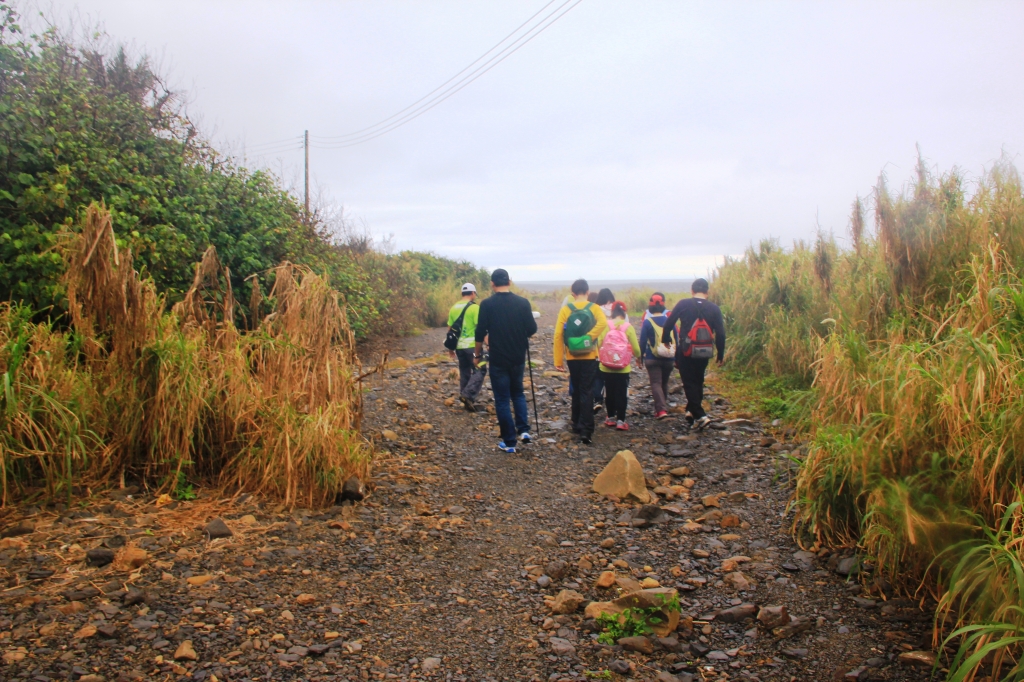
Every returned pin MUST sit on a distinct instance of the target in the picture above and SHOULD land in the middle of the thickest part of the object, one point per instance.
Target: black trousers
(582, 373)
(616, 394)
(691, 371)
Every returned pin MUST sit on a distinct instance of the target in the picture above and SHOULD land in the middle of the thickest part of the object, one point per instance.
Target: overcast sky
(629, 140)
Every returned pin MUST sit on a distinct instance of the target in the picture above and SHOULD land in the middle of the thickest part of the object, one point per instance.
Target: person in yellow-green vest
(580, 323)
(464, 350)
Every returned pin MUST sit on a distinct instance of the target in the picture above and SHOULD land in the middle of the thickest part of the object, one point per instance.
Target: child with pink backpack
(618, 346)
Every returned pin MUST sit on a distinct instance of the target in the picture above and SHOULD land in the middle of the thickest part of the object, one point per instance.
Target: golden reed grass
(133, 391)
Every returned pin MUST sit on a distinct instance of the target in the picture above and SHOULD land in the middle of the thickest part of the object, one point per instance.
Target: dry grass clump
(133, 391)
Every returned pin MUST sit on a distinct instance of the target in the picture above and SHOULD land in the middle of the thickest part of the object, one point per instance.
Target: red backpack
(700, 341)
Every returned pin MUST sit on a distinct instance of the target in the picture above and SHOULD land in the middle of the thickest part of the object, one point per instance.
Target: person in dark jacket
(691, 370)
(508, 323)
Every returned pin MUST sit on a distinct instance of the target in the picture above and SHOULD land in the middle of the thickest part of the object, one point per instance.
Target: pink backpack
(616, 352)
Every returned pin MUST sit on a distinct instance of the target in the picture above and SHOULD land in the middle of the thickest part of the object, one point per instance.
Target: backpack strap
(458, 320)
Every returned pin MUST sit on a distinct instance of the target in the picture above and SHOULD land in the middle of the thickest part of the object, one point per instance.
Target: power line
(383, 127)
(442, 85)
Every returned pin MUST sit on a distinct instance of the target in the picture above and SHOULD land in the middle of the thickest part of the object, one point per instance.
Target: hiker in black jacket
(691, 370)
(508, 323)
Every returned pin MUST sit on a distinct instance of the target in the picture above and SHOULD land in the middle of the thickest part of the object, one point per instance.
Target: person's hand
(721, 362)
(559, 368)
(476, 362)
(451, 355)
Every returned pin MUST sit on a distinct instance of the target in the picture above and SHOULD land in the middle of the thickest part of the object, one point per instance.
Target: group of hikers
(594, 342)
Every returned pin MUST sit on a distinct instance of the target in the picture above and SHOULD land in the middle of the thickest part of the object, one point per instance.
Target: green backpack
(577, 330)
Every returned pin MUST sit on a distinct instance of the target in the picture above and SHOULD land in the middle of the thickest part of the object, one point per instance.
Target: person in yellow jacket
(618, 347)
(580, 323)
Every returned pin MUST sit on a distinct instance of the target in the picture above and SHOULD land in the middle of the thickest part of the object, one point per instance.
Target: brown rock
(730, 521)
(680, 471)
(557, 570)
(607, 543)
(623, 477)
(736, 614)
(185, 652)
(605, 580)
(640, 645)
(737, 581)
(134, 557)
(199, 580)
(85, 632)
(711, 500)
(305, 599)
(773, 616)
(567, 601)
(627, 585)
(795, 627)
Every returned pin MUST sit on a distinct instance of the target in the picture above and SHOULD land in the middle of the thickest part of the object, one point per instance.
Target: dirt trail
(440, 572)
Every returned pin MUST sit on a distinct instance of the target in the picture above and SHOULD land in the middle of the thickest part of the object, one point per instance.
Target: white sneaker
(702, 423)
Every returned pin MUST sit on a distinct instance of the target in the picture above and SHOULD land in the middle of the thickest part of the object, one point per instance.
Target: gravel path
(442, 571)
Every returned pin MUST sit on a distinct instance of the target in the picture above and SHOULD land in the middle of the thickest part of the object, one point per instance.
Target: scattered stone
(607, 543)
(650, 513)
(623, 477)
(924, 659)
(795, 627)
(402, 402)
(543, 581)
(638, 644)
(619, 667)
(99, 556)
(736, 614)
(305, 599)
(430, 664)
(848, 566)
(657, 598)
(773, 616)
(18, 529)
(795, 654)
(389, 435)
(134, 557)
(198, 580)
(711, 500)
(86, 631)
(561, 647)
(605, 580)
(557, 570)
(670, 644)
(217, 529)
(566, 602)
(737, 581)
(352, 491)
(185, 652)
(680, 471)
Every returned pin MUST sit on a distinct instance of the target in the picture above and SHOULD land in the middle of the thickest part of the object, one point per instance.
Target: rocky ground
(451, 566)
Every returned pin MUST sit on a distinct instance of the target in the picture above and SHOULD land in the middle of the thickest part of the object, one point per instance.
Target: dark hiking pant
(582, 373)
(471, 379)
(691, 371)
(616, 394)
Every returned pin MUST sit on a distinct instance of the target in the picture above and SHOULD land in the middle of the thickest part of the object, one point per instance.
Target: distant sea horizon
(664, 285)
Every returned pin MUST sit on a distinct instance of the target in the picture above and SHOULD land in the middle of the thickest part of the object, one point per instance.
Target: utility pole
(305, 139)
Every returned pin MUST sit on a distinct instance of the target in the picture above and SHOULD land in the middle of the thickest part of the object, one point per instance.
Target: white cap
(468, 288)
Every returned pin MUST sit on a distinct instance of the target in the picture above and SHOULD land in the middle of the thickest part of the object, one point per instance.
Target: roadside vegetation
(170, 317)
(901, 356)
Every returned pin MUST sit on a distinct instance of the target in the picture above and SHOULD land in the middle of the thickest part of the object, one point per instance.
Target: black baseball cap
(499, 278)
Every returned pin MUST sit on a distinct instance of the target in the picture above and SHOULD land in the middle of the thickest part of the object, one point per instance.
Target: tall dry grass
(133, 391)
(912, 340)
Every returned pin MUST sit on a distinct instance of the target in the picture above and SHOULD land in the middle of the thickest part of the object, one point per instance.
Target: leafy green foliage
(634, 621)
(78, 125)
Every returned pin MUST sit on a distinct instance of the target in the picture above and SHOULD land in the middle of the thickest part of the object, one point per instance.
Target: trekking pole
(533, 392)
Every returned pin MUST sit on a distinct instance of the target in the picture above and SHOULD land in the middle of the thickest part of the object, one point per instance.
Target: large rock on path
(623, 477)
(659, 598)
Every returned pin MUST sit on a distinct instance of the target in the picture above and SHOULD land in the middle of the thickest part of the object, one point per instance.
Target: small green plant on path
(632, 622)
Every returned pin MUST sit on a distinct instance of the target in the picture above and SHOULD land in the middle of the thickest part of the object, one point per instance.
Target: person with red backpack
(618, 346)
(577, 329)
(701, 337)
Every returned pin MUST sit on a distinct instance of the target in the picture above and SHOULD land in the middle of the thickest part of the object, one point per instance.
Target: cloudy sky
(629, 140)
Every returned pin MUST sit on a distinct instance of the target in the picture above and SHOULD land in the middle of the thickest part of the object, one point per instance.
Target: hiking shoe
(610, 423)
(598, 407)
(526, 437)
(702, 423)
(510, 449)
(622, 426)
(470, 405)
(661, 415)
(586, 440)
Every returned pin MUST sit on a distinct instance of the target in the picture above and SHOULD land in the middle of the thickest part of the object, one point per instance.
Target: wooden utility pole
(305, 139)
